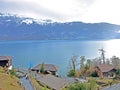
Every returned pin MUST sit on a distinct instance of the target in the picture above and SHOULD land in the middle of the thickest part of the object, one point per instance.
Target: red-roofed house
(106, 70)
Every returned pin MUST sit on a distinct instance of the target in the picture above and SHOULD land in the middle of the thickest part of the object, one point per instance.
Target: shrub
(78, 86)
(71, 73)
(94, 74)
(118, 72)
(13, 72)
(91, 85)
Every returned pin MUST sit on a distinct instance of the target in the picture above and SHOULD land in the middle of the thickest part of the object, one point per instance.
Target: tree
(82, 61)
(107, 61)
(73, 63)
(89, 63)
(42, 68)
(86, 68)
(102, 51)
(115, 61)
(95, 62)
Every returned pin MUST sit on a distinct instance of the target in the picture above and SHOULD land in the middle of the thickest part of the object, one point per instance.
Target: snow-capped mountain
(13, 27)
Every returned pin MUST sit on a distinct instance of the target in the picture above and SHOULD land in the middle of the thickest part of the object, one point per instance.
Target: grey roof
(48, 67)
(55, 83)
(5, 58)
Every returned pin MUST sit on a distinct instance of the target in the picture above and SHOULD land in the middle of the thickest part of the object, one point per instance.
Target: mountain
(18, 28)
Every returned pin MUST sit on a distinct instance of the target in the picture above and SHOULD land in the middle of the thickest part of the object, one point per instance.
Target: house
(48, 68)
(6, 61)
(106, 70)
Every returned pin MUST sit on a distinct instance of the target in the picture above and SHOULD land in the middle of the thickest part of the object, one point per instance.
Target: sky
(112, 48)
(89, 11)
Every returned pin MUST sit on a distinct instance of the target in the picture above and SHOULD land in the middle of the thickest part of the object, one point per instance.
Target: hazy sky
(65, 10)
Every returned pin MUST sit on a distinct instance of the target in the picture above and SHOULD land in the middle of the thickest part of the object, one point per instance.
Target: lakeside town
(84, 74)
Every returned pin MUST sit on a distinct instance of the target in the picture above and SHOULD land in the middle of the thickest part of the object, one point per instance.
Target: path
(113, 87)
(26, 83)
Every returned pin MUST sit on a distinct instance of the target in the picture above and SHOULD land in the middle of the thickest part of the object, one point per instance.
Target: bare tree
(95, 62)
(89, 63)
(108, 61)
(102, 51)
(82, 61)
(73, 64)
(115, 61)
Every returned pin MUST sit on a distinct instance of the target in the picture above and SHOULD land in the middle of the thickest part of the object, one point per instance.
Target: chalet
(106, 70)
(6, 61)
(48, 68)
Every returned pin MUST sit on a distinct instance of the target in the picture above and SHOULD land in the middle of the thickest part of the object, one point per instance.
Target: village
(92, 74)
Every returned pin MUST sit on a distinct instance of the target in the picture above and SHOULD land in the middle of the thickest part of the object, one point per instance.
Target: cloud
(65, 10)
(103, 11)
(118, 31)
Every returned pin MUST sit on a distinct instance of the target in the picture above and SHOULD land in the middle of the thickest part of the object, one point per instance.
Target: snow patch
(27, 21)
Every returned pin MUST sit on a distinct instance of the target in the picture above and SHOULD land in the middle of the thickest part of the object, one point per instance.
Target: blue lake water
(30, 53)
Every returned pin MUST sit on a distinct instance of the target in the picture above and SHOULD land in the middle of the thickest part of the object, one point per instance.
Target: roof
(105, 68)
(5, 58)
(48, 67)
(55, 83)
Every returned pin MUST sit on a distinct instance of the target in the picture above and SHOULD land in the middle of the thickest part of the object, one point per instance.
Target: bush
(71, 73)
(118, 72)
(78, 86)
(94, 74)
(13, 72)
(83, 86)
(92, 85)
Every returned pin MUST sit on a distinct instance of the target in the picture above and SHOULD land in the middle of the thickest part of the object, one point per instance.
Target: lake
(30, 53)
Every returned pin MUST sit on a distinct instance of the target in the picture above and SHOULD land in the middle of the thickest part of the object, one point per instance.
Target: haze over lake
(30, 53)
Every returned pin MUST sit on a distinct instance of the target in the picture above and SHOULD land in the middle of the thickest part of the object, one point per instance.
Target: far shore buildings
(6, 61)
(48, 68)
(106, 71)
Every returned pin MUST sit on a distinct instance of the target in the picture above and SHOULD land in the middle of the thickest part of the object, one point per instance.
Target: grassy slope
(8, 82)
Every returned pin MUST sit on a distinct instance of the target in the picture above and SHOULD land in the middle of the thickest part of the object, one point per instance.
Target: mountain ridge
(17, 28)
